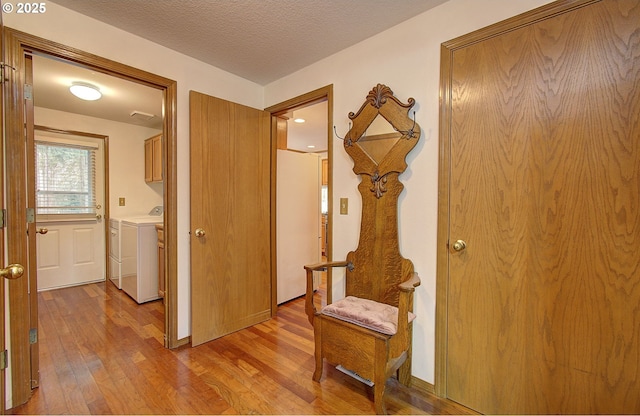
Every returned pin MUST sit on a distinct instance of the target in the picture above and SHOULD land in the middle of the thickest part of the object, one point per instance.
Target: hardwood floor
(101, 353)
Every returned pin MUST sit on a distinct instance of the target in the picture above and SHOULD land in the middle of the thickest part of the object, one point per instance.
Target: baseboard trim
(182, 341)
(422, 385)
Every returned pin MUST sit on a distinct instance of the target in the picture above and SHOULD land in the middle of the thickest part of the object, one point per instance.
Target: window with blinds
(65, 180)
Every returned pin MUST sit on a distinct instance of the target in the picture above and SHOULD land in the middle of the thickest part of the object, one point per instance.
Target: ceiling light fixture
(299, 120)
(85, 91)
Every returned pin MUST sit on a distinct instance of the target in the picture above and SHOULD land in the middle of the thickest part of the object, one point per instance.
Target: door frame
(447, 51)
(105, 186)
(2, 232)
(16, 44)
(312, 97)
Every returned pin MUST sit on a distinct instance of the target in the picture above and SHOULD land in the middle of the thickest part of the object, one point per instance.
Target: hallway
(101, 353)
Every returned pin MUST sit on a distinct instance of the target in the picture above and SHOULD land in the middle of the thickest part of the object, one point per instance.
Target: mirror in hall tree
(379, 138)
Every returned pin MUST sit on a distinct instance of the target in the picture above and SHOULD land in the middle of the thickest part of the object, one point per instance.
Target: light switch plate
(344, 206)
(121, 201)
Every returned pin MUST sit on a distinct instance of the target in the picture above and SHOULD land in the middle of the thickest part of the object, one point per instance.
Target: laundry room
(98, 180)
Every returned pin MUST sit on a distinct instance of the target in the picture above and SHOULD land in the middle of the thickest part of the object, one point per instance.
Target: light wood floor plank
(101, 353)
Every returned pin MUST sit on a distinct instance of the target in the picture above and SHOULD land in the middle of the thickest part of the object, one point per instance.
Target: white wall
(407, 59)
(126, 158)
(73, 29)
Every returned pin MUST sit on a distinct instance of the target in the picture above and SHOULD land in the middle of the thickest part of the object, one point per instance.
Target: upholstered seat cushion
(367, 313)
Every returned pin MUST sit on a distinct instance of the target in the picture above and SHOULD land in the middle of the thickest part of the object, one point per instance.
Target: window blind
(65, 179)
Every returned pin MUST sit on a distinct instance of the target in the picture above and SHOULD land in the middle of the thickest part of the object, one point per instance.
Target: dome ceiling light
(85, 91)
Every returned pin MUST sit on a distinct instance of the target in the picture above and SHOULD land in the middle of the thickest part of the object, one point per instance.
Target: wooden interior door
(2, 236)
(18, 122)
(543, 304)
(230, 217)
(32, 275)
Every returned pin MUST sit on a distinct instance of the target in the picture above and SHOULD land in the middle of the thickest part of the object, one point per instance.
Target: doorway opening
(302, 219)
(128, 113)
(22, 293)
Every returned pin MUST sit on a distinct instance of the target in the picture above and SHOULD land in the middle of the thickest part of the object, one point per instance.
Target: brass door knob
(459, 245)
(13, 271)
(42, 230)
(199, 232)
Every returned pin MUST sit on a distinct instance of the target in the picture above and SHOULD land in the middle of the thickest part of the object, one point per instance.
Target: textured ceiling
(260, 40)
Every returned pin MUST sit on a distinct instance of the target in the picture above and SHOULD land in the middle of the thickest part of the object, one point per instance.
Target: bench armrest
(309, 307)
(404, 302)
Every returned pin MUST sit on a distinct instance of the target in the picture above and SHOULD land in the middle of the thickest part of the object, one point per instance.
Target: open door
(281, 137)
(14, 229)
(230, 217)
(3, 365)
(34, 347)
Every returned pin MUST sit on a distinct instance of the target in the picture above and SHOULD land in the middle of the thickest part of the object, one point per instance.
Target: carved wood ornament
(381, 102)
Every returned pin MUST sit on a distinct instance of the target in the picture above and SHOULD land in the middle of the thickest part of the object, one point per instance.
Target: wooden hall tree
(369, 332)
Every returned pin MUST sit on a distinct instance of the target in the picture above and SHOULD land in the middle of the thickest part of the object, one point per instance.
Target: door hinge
(33, 335)
(3, 218)
(28, 92)
(4, 361)
(2, 67)
(31, 215)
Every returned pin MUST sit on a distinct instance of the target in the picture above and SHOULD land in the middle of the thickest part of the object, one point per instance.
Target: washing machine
(139, 257)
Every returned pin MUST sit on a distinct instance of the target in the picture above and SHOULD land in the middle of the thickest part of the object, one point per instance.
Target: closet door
(543, 304)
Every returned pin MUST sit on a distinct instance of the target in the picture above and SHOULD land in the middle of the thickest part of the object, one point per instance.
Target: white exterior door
(71, 249)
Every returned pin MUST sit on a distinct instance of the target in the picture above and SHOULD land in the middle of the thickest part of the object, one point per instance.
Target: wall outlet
(344, 206)
(121, 201)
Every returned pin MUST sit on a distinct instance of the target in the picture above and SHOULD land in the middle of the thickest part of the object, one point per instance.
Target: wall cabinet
(153, 159)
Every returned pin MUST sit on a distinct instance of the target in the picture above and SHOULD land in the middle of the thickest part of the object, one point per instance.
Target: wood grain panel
(486, 184)
(589, 205)
(2, 238)
(230, 200)
(543, 305)
(349, 344)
